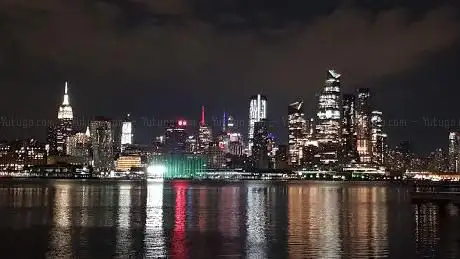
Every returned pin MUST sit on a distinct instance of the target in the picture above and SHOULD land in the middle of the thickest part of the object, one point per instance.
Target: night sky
(164, 59)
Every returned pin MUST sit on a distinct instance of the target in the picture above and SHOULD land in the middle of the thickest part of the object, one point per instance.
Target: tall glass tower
(257, 112)
(297, 132)
(349, 152)
(204, 134)
(379, 137)
(329, 120)
(363, 126)
(126, 132)
(102, 144)
(65, 121)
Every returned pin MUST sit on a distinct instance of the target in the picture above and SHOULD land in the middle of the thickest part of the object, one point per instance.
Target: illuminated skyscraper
(454, 152)
(234, 139)
(257, 112)
(297, 132)
(349, 152)
(51, 143)
(176, 138)
(102, 144)
(64, 125)
(329, 120)
(191, 144)
(126, 133)
(379, 145)
(204, 134)
(78, 145)
(363, 126)
(215, 156)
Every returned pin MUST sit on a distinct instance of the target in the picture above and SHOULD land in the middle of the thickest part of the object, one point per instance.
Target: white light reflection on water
(60, 239)
(256, 243)
(154, 237)
(123, 226)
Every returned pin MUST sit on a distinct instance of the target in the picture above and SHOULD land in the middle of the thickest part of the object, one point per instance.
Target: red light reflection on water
(179, 239)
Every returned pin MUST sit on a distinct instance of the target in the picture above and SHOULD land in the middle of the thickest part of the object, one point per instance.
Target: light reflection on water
(86, 219)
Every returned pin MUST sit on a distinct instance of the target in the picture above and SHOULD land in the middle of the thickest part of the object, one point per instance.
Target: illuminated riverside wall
(180, 166)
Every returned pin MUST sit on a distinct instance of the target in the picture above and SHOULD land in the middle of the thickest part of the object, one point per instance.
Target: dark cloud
(89, 36)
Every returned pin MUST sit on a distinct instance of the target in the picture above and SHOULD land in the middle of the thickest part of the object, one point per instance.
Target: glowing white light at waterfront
(156, 171)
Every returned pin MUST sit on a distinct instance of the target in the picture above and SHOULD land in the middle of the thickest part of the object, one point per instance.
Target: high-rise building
(127, 134)
(204, 134)
(176, 138)
(78, 145)
(281, 157)
(235, 139)
(64, 125)
(191, 144)
(349, 152)
(379, 145)
(329, 121)
(51, 143)
(297, 132)
(18, 155)
(215, 156)
(436, 161)
(257, 112)
(102, 144)
(454, 152)
(260, 147)
(311, 155)
(363, 126)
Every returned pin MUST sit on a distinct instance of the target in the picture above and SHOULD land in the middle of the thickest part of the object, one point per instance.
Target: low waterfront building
(59, 171)
(177, 166)
(126, 163)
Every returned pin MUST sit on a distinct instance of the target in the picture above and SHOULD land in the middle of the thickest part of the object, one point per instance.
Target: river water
(91, 219)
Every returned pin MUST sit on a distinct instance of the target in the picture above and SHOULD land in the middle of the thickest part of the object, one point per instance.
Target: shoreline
(229, 181)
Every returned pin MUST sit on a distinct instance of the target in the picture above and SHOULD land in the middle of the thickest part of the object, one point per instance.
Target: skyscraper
(204, 134)
(281, 157)
(363, 126)
(454, 154)
(64, 126)
(78, 145)
(234, 137)
(176, 138)
(349, 151)
(329, 120)
(297, 132)
(127, 135)
(379, 145)
(260, 144)
(102, 144)
(257, 112)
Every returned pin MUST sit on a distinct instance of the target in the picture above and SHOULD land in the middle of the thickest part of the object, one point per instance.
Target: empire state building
(64, 125)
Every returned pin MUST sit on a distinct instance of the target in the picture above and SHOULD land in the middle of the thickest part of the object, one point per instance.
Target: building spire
(66, 95)
(202, 122)
(224, 122)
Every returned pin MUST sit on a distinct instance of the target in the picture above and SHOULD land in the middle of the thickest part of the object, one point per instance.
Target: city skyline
(405, 53)
(158, 125)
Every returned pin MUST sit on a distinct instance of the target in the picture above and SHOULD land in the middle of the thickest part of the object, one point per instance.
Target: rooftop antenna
(202, 122)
